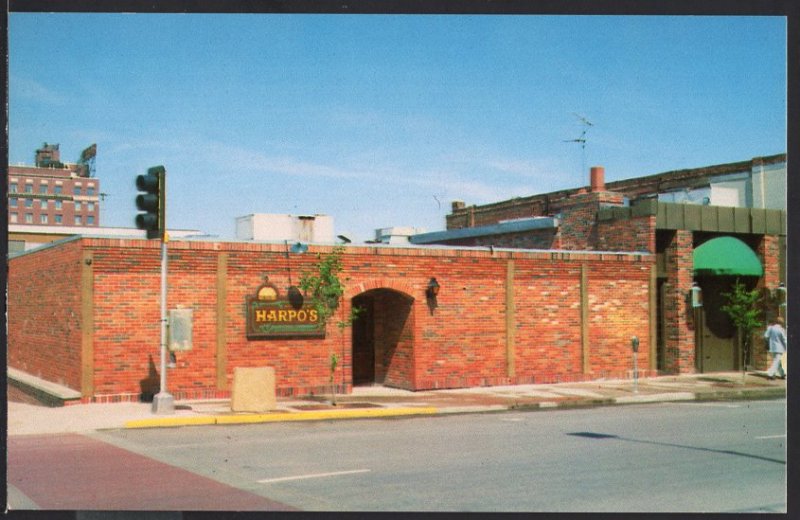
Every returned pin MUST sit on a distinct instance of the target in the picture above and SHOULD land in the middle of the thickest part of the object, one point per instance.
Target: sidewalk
(25, 418)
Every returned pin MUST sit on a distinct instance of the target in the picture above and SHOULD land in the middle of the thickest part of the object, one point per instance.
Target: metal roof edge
(510, 226)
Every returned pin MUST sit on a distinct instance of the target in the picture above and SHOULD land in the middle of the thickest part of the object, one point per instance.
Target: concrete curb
(743, 394)
(325, 415)
(656, 398)
(160, 422)
(724, 395)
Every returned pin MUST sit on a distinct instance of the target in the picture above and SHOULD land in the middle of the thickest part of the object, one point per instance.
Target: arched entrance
(718, 264)
(383, 339)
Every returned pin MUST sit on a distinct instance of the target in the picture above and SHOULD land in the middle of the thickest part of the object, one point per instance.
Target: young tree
(744, 309)
(325, 288)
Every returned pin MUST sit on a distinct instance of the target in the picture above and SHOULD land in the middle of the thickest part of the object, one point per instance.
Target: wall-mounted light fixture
(294, 296)
(696, 296)
(780, 294)
(432, 291)
(299, 248)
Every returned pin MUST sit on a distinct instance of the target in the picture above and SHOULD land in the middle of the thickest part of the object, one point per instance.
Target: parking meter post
(635, 348)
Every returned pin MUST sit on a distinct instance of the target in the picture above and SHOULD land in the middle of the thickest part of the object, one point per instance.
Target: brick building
(53, 193)
(83, 312)
(552, 295)
(670, 215)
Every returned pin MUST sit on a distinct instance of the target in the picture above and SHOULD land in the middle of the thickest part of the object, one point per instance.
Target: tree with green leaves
(744, 309)
(325, 289)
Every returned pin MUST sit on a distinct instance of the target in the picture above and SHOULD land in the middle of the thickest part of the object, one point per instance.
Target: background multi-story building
(53, 193)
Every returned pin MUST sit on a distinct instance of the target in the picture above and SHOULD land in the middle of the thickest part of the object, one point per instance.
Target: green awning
(726, 256)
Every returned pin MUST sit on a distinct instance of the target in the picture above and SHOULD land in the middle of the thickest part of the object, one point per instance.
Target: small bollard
(635, 347)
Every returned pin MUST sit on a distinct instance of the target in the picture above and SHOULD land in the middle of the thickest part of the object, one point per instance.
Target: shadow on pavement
(595, 435)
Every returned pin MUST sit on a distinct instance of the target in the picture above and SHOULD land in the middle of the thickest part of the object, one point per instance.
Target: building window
(90, 190)
(43, 219)
(90, 206)
(78, 205)
(12, 188)
(43, 189)
(77, 190)
(13, 202)
(29, 188)
(59, 219)
(78, 220)
(29, 218)
(90, 220)
(57, 189)
(58, 204)
(28, 203)
(13, 218)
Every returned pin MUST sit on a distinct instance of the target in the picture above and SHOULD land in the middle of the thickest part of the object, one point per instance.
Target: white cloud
(33, 90)
(516, 167)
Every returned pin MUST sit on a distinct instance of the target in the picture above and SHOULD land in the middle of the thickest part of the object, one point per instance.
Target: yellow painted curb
(169, 421)
(279, 417)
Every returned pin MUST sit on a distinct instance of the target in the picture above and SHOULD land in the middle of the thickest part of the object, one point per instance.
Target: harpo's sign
(269, 315)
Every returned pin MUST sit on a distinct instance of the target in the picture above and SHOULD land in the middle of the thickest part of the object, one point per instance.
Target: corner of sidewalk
(383, 402)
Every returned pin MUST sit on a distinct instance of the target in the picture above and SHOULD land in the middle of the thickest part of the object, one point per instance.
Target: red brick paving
(74, 472)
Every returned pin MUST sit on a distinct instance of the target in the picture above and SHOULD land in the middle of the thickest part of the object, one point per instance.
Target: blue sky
(383, 120)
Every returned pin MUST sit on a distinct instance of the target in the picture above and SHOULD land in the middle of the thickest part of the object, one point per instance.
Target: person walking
(776, 339)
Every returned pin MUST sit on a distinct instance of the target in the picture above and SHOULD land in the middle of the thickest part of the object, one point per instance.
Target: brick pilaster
(679, 337)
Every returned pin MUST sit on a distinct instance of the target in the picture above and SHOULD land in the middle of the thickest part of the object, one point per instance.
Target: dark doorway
(364, 341)
(383, 339)
(718, 348)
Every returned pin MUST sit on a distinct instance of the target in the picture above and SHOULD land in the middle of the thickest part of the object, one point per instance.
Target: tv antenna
(582, 140)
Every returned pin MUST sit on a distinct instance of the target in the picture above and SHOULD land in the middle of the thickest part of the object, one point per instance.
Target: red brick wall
(632, 234)
(578, 223)
(679, 337)
(460, 341)
(127, 316)
(618, 310)
(394, 340)
(549, 318)
(768, 251)
(548, 314)
(44, 314)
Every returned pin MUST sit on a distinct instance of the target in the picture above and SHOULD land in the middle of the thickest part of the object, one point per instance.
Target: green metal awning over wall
(726, 256)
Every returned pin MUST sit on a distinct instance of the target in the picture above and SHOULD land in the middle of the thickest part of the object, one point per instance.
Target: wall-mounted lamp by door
(432, 291)
(696, 296)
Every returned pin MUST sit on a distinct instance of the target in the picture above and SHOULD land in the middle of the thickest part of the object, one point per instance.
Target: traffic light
(152, 201)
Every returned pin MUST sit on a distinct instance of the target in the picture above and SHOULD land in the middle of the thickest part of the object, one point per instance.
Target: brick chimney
(597, 179)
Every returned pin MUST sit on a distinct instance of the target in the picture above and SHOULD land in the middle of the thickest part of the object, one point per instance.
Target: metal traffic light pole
(154, 221)
(163, 401)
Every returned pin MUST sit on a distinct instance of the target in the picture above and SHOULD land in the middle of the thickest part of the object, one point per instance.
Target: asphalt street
(670, 457)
